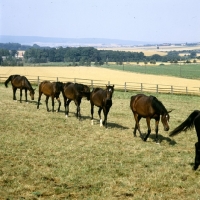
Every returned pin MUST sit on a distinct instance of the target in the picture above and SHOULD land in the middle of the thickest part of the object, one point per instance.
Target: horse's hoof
(195, 167)
(144, 139)
(66, 116)
(92, 123)
(157, 142)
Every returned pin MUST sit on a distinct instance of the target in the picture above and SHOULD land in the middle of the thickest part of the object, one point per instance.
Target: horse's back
(46, 87)
(136, 98)
(141, 104)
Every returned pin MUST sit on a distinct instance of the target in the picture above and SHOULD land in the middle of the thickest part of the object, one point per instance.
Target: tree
(193, 54)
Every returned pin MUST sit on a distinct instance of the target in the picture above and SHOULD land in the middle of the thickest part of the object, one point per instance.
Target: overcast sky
(137, 20)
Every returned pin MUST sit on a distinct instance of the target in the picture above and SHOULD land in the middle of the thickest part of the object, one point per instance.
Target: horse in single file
(148, 107)
(75, 92)
(193, 120)
(101, 98)
(22, 83)
(50, 89)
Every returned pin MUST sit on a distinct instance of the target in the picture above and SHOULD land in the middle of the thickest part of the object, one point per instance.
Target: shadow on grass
(161, 138)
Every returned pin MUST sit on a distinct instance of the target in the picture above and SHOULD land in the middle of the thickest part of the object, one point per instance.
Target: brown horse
(102, 99)
(22, 83)
(75, 92)
(193, 120)
(50, 90)
(148, 107)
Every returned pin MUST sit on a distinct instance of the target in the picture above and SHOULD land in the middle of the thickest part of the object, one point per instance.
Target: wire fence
(126, 86)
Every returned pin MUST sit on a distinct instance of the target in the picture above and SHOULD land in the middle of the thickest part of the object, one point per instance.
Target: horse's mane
(28, 82)
(157, 105)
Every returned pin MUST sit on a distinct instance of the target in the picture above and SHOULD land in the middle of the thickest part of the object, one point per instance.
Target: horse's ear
(113, 85)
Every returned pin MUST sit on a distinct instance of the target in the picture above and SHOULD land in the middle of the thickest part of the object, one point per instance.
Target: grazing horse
(102, 99)
(192, 121)
(22, 83)
(75, 92)
(50, 90)
(148, 107)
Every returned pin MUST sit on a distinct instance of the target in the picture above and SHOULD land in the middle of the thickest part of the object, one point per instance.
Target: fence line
(126, 86)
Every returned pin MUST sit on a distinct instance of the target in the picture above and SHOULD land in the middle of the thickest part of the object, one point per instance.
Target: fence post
(74, 80)
(186, 90)
(141, 87)
(38, 80)
(171, 89)
(157, 88)
(108, 82)
(57, 79)
(125, 87)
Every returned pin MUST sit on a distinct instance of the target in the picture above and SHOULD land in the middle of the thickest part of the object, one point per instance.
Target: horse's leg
(39, 98)
(59, 104)
(149, 129)
(65, 103)
(156, 129)
(26, 95)
(106, 111)
(20, 95)
(67, 107)
(14, 93)
(52, 100)
(92, 112)
(137, 125)
(99, 112)
(197, 156)
(47, 98)
(78, 112)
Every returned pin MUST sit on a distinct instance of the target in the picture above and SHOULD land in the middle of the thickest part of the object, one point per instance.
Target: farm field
(44, 155)
(151, 50)
(95, 73)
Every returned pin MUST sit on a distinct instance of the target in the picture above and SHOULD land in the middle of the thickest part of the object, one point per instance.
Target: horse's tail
(8, 80)
(187, 124)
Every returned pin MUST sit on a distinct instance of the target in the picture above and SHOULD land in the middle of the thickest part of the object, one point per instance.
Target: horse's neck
(29, 86)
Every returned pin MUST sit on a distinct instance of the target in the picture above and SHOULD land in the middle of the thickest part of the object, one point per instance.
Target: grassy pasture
(44, 155)
(191, 71)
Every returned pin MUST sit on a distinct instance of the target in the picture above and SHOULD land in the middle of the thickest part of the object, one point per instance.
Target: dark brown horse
(101, 98)
(50, 90)
(75, 92)
(148, 107)
(22, 83)
(192, 121)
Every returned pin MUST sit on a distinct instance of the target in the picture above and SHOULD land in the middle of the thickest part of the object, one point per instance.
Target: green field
(44, 155)
(191, 71)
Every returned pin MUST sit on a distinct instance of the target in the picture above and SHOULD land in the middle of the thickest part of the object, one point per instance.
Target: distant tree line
(83, 56)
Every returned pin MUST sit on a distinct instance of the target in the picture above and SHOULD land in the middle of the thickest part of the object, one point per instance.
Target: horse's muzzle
(166, 128)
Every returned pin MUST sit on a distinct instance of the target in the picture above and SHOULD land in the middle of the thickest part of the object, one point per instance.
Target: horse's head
(32, 92)
(109, 91)
(165, 120)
